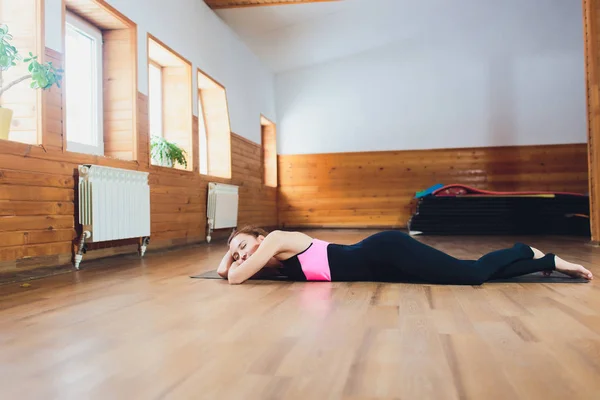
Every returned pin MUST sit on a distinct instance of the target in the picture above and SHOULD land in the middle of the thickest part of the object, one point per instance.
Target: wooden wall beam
(591, 25)
(221, 4)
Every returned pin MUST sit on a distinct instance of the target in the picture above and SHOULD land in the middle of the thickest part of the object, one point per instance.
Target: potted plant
(42, 76)
(165, 153)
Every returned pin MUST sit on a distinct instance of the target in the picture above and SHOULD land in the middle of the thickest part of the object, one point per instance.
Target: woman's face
(243, 246)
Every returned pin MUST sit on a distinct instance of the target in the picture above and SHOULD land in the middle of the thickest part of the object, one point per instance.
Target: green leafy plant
(43, 76)
(167, 153)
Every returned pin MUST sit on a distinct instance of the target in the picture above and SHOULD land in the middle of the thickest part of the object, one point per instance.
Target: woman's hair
(248, 230)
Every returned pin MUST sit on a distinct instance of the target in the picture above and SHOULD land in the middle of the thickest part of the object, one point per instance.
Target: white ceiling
(254, 21)
(295, 36)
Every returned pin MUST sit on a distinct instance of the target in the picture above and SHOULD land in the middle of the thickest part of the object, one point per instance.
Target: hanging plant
(166, 153)
(43, 76)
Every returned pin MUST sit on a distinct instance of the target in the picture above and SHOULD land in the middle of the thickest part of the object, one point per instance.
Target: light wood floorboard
(126, 328)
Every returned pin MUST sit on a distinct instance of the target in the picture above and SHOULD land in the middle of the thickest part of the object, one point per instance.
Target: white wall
(193, 30)
(487, 75)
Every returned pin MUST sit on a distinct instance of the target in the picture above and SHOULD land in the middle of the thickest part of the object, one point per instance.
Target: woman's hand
(225, 265)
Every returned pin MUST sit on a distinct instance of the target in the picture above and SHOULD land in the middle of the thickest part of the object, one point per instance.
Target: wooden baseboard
(35, 273)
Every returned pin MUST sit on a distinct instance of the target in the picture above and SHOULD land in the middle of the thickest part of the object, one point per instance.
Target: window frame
(95, 33)
(202, 137)
(220, 170)
(271, 149)
(152, 63)
(173, 66)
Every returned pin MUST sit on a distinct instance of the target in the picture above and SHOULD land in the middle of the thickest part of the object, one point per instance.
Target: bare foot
(573, 270)
(536, 253)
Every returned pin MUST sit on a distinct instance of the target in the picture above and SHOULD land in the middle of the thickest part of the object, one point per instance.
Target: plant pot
(5, 120)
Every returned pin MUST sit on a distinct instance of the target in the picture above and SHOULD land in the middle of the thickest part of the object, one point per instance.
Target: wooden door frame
(591, 37)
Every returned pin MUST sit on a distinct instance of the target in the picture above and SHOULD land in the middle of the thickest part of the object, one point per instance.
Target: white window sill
(85, 149)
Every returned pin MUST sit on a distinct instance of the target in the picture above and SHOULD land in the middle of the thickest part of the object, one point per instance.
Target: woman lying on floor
(389, 256)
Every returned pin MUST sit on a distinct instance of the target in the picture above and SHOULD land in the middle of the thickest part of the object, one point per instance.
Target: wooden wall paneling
(30, 207)
(178, 207)
(143, 130)
(100, 13)
(37, 203)
(8, 177)
(257, 201)
(376, 189)
(163, 55)
(36, 212)
(52, 108)
(22, 157)
(269, 150)
(120, 100)
(591, 19)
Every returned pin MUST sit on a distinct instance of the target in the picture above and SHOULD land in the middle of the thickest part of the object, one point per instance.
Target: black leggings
(400, 257)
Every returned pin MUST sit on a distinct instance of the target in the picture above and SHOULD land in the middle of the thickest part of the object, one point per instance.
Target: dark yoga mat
(556, 277)
(213, 275)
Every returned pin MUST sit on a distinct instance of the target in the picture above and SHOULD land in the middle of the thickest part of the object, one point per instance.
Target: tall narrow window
(170, 106)
(155, 99)
(216, 152)
(83, 69)
(269, 150)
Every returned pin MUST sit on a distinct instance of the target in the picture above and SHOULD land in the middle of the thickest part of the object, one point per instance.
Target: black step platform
(560, 214)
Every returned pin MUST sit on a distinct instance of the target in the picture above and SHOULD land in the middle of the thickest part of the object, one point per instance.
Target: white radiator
(222, 207)
(113, 204)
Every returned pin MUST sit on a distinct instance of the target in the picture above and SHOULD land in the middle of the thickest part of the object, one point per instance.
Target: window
(170, 100)
(100, 82)
(215, 146)
(20, 104)
(83, 70)
(155, 98)
(269, 152)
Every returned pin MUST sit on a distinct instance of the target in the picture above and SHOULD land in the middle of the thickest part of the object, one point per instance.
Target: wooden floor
(141, 329)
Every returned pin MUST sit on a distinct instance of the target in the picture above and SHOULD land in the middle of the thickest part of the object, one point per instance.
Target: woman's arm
(225, 265)
(271, 246)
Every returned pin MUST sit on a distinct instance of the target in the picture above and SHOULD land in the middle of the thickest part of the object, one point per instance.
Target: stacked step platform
(463, 210)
